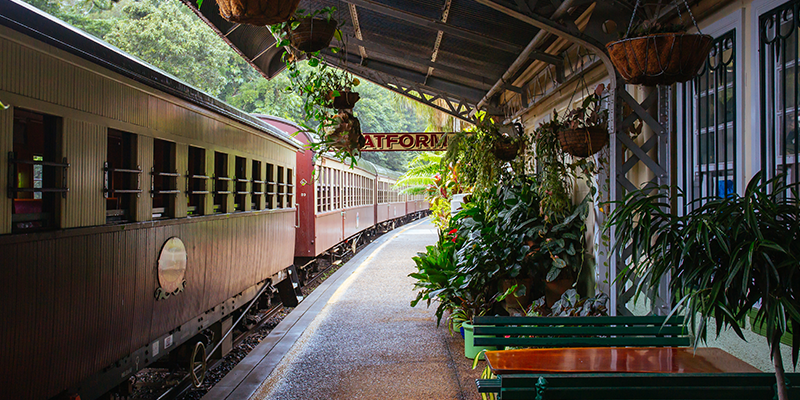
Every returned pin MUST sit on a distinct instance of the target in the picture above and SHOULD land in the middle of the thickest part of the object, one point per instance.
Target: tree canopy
(168, 35)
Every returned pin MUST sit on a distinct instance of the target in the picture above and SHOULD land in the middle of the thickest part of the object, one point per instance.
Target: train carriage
(104, 161)
(339, 201)
(390, 204)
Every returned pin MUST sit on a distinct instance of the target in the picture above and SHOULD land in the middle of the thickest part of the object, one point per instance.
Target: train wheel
(197, 369)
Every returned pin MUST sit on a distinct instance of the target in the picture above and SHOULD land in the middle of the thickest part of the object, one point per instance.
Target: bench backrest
(640, 331)
(694, 386)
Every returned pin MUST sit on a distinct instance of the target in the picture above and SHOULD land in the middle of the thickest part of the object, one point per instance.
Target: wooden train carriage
(103, 159)
(335, 201)
(390, 204)
(415, 204)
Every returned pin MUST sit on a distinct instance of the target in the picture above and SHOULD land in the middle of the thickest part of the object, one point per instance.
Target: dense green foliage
(499, 235)
(168, 35)
(723, 258)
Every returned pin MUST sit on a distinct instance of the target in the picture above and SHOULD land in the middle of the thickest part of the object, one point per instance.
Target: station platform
(357, 337)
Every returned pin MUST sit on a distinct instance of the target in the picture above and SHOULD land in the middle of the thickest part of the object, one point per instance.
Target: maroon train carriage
(339, 206)
(136, 215)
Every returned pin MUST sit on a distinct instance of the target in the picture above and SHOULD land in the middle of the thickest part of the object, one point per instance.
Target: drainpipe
(523, 57)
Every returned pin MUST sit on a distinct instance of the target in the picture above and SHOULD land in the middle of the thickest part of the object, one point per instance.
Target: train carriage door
(34, 171)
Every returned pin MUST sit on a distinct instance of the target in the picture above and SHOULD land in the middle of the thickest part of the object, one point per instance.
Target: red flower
(453, 231)
(454, 238)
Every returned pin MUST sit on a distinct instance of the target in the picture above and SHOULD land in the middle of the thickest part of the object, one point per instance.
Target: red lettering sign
(415, 141)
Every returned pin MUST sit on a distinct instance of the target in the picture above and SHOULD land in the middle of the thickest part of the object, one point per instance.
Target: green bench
(636, 331)
(619, 386)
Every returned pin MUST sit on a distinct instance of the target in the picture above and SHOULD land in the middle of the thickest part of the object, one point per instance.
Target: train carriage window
(289, 188)
(197, 181)
(338, 188)
(164, 182)
(222, 187)
(281, 186)
(35, 169)
(241, 190)
(121, 176)
(346, 188)
(319, 189)
(270, 186)
(328, 190)
(257, 186)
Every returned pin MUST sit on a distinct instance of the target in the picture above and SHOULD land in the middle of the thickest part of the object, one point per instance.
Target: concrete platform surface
(367, 342)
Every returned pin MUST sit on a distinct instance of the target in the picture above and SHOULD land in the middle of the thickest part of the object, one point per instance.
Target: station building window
(222, 182)
(779, 30)
(271, 186)
(164, 183)
(281, 188)
(241, 184)
(707, 145)
(122, 176)
(36, 171)
(257, 186)
(197, 181)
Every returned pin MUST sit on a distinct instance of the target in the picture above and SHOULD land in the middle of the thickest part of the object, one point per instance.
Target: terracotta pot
(257, 12)
(553, 290)
(514, 301)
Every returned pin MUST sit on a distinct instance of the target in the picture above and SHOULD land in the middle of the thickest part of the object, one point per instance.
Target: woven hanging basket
(660, 59)
(313, 34)
(257, 12)
(583, 142)
(345, 100)
(346, 134)
(505, 149)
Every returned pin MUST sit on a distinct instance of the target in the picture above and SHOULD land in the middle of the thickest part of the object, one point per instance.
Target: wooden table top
(616, 359)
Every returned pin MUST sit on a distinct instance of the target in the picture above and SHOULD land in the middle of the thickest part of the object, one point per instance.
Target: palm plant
(724, 258)
(420, 173)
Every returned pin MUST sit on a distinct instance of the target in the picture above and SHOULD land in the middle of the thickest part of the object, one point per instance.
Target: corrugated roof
(397, 45)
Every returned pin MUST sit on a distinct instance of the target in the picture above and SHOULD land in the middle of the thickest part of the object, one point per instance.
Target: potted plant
(255, 12)
(585, 128)
(344, 133)
(659, 54)
(724, 258)
(307, 32)
(505, 140)
(319, 84)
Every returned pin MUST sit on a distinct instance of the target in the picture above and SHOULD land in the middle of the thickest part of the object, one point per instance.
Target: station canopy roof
(465, 52)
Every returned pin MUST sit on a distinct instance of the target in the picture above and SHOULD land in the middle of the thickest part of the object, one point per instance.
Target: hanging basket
(345, 134)
(505, 149)
(345, 100)
(257, 12)
(660, 59)
(583, 142)
(312, 34)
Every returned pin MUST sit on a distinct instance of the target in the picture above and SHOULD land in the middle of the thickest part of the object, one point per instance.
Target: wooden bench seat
(619, 386)
(639, 331)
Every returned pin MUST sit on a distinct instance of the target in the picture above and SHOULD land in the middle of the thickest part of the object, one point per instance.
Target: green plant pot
(470, 350)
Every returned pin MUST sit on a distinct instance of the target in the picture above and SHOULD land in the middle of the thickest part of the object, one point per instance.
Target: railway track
(166, 384)
(162, 384)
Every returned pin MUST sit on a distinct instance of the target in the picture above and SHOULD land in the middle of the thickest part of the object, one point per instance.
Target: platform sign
(414, 141)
